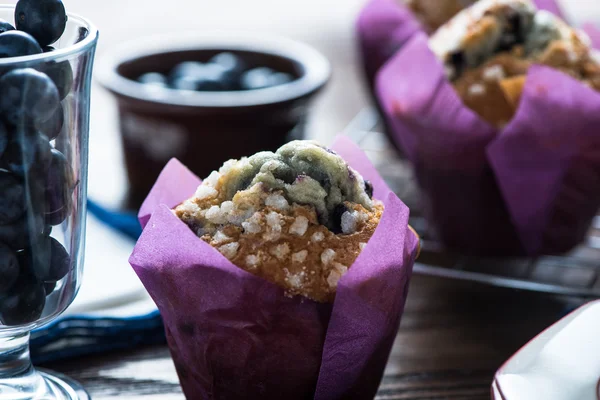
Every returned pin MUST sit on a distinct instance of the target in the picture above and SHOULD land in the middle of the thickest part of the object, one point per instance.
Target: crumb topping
(300, 227)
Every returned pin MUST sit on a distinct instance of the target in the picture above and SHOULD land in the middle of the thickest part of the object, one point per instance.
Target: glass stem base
(20, 381)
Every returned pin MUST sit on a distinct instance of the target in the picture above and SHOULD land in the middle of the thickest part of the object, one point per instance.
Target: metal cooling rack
(574, 274)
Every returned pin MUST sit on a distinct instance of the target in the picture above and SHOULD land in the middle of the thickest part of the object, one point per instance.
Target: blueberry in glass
(4, 137)
(52, 127)
(60, 262)
(47, 230)
(58, 189)
(12, 197)
(9, 268)
(61, 74)
(5, 26)
(28, 96)
(49, 287)
(44, 104)
(27, 150)
(17, 44)
(35, 258)
(16, 234)
(45, 20)
(24, 302)
(47, 259)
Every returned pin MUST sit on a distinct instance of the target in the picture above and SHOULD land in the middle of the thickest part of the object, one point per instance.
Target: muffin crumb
(277, 201)
(281, 251)
(206, 192)
(220, 237)
(327, 256)
(252, 260)
(299, 226)
(300, 257)
(317, 237)
(336, 274)
(230, 250)
(295, 280)
(253, 225)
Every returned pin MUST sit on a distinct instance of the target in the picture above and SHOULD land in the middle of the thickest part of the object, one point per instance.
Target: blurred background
(326, 25)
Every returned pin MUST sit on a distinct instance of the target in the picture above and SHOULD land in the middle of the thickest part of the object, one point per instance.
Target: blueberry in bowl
(233, 93)
(226, 71)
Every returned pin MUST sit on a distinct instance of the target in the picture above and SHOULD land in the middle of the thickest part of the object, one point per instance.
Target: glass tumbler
(44, 125)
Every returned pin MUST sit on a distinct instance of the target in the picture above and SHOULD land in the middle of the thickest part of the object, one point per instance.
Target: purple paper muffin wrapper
(384, 26)
(234, 335)
(533, 186)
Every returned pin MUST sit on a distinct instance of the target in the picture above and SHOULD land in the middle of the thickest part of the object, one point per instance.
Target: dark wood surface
(453, 336)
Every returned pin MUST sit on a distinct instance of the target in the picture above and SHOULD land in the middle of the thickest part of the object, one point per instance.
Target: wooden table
(453, 335)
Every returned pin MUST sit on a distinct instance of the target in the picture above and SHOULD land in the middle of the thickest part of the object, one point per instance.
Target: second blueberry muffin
(488, 48)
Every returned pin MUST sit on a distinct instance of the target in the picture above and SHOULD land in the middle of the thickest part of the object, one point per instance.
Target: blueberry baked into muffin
(435, 13)
(488, 48)
(298, 217)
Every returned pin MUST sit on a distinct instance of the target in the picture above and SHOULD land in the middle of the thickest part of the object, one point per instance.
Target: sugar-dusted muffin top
(488, 49)
(298, 217)
(435, 13)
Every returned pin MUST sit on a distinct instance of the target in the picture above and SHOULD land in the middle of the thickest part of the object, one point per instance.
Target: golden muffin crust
(494, 89)
(298, 218)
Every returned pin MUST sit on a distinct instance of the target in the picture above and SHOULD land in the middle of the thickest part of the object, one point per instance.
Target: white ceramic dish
(561, 363)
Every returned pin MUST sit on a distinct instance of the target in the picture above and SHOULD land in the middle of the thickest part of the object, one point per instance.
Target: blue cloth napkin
(79, 335)
(125, 222)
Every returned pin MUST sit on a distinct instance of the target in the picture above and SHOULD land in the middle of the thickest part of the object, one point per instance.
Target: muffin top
(304, 172)
(298, 217)
(493, 26)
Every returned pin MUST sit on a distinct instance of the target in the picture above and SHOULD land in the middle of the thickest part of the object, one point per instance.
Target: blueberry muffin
(298, 217)
(488, 48)
(435, 13)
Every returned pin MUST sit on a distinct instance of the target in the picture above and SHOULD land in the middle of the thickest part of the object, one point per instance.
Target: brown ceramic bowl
(204, 129)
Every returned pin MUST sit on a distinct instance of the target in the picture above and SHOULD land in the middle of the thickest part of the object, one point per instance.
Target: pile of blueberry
(224, 72)
(36, 180)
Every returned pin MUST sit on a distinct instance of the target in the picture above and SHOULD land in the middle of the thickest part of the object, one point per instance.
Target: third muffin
(435, 13)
